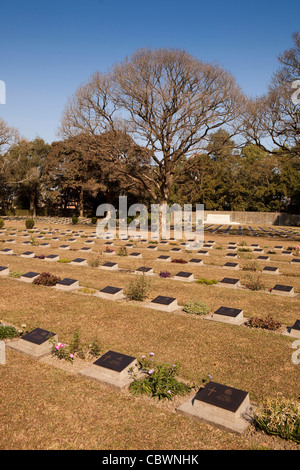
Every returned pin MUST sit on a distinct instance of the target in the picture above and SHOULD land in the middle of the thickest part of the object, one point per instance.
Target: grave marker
(280, 289)
(229, 265)
(28, 254)
(2, 352)
(29, 277)
(144, 270)
(109, 266)
(270, 270)
(111, 293)
(36, 343)
(229, 282)
(184, 276)
(222, 406)
(163, 258)
(67, 284)
(166, 304)
(228, 315)
(79, 261)
(4, 271)
(113, 369)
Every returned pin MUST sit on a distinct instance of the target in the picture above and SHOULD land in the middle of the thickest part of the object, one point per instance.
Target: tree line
(163, 127)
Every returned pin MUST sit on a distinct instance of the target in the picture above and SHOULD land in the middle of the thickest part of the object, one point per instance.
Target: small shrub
(244, 250)
(75, 220)
(7, 331)
(196, 308)
(94, 220)
(46, 279)
(179, 260)
(160, 381)
(87, 291)
(62, 351)
(76, 347)
(123, 251)
(267, 323)
(254, 283)
(208, 282)
(29, 224)
(39, 256)
(94, 262)
(94, 348)
(138, 290)
(64, 260)
(279, 416)
(1, 223)
(15, 274)
(165, 274)
(251, 266)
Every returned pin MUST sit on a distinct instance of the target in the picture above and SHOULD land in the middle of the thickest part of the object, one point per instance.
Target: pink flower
(71, 356)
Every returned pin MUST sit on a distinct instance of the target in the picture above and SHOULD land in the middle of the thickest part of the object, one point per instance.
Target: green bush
(196, 308)
(29, 224)
(160, 380)
(75, 220)
(7, 331)
(208, 282)
(1, 223)
(94, 220)
(279, 416)
(138, 290)
(123, 251)
(46, 279)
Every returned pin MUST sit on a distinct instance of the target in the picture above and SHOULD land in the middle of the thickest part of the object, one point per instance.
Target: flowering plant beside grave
(160, 380)
(62, 351)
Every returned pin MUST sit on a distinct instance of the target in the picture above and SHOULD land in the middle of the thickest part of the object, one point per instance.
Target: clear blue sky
(48, 48)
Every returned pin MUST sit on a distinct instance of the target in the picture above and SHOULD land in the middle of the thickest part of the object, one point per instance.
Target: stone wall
(259, 218)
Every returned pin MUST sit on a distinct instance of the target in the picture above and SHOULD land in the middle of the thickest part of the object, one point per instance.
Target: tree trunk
(81, 202)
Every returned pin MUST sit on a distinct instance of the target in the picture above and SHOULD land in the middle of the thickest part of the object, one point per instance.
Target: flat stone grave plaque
(229, 282)
(152, 247)
(35, 343)
(144, 270)
(4, 271)
(52, 258)
(293, 331)
(229, 315)
(64, 247)
(184, 276)
(270, 270)
(67, 284)
(55, 239)
(207, 246)
(109, 266)
(258, 250)
(281, 289)
(203, 252)
(90, 242)
(263, 258)
(79, 261)
(198, 262)
(113, 369)
(232, 243)
(277, 247)
(163, 242)
(26, 243)
(176, 250)
(111, 293)
(286, 253)
(229, 265)
(108, 243)
(166, 304)
(295, 260)
(232, 248)
(40, 237)
(231, 255)
(129, 245)
(222, 406)
(10, 241)
(85, 249)
(29, 277)
(45, 245)
(211, 242)
(28, 254)
(6, 251)
(136, 255)
(254, 245)
(163, 258)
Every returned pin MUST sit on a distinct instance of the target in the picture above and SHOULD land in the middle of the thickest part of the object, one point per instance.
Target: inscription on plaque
(38, 336)
(114, 361)
(221, 396)
(111, 290)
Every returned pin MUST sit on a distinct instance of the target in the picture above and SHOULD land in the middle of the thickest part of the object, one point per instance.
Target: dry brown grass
(44, 406)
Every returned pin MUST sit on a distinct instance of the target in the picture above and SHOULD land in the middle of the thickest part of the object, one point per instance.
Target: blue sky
(47, 49)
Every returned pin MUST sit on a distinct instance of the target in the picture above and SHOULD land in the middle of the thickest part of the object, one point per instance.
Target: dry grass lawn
(45, 404)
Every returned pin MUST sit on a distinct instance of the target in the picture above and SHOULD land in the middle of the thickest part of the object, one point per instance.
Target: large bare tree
(167, 101)
(272, 121)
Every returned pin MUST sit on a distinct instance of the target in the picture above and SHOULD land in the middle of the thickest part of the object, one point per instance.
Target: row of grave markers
(220, 405)
(162, 303)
